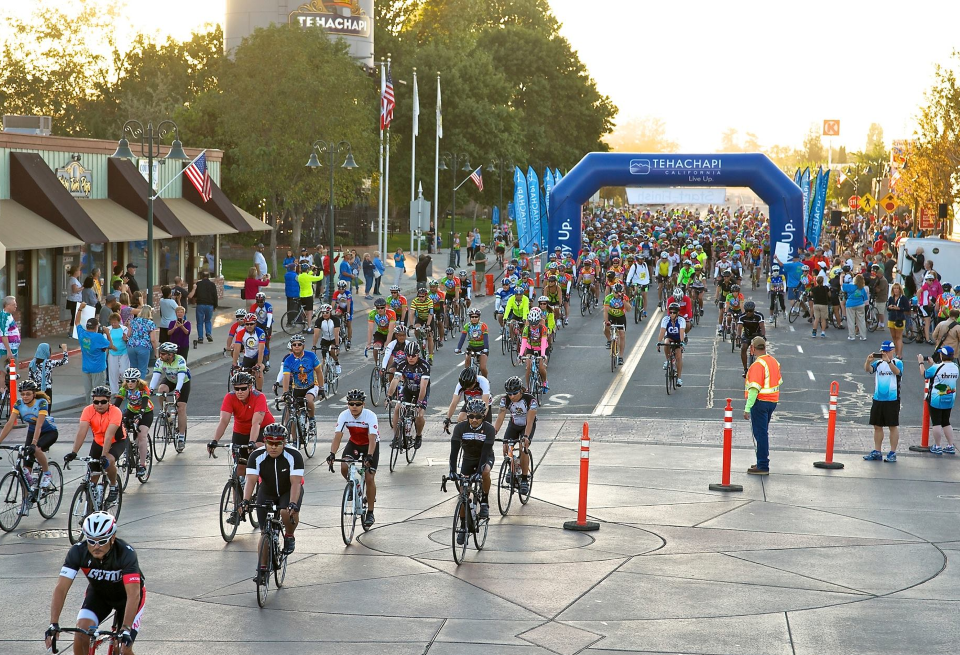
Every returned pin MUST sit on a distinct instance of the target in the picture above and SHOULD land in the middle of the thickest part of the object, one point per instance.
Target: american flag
(477, 177)
(387, 102)
(197, 173)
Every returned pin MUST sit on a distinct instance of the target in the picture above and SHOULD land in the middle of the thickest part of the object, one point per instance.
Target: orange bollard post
(727, 452)
(490, 289)
(924, 446)
(828, 462)
(582, 524)
(13, 387)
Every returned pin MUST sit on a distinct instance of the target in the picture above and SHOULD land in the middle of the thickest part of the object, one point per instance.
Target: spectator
(179, 332)
(130, 280)
(116, 276)
(96, 274)
(927, 298)
(204, 293)
(9, 331)
(289, 262)
(917, 259)
(180, 293)
(125, 312)
(947, 333)
(89, 294)
(421, 270)
(260, 262)
(456, 249)
(368, 270)
(103, 316)
(144, 338)
(94, 345)
(821, 307)
(857, 297)
(74, 293)
(356, 266)
(476, 243)
(305, 258)
(880, 290)
(291, 289)
(41, 368)
(168, 312)
(251, 286)
(941, 390)
(378, 274)
(399, 261)
(480, 261)
(897, 307)
(117, 359)
(346, 269)
(885, 410)
(306, 280)
(211, 263)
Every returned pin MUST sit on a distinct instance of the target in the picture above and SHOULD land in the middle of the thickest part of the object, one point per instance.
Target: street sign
(867, 203)
(889, 203)
(831, 128)
(928, 217)
(854, 202)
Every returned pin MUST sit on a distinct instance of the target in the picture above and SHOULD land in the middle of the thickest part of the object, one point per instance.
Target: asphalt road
(581, 382)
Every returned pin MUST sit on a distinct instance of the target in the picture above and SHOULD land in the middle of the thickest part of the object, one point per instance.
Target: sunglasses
(297, 343)
(241, 388)
(273, 443)
(249, 324)
(101, 402)
(355, 404)
(475, 417)
(98, 542)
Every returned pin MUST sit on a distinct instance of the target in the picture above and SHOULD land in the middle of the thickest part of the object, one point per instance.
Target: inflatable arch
(753, 170)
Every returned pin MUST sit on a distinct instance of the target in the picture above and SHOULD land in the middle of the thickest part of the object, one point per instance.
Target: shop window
(45, 272)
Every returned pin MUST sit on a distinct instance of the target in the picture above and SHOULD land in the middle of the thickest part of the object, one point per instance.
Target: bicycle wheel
(525, 497)
(263, 554)
(637, 308)
(460, 528)
(873, 320)
(348, 516)
(794, 311)
(409, 451)
(228, 506)
(591, 299)
(733, 343)
(123, 465)
(504, 488)
(395, 446)
(279, 564)
(309, 442)
(504, 338)
(80, 507)
(292, 323)
(254, 520)
(667, 376)
(480, 535)
(388, 406)
(614, 351)
(583, 302)
(514, 355)
(50, 498)
(12, 495)
(159, 439)
(375, 385)
(775, 313)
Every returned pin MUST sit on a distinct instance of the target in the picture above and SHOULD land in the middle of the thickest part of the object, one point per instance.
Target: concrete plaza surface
(805, 561)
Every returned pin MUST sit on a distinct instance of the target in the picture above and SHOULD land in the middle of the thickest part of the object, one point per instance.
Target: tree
(813, 150)
(875, 148)
(642, 134)
(728, 141)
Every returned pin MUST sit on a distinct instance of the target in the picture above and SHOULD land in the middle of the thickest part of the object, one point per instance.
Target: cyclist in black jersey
(476, 437)
(750, 325)
(114, 584)
(522, 408)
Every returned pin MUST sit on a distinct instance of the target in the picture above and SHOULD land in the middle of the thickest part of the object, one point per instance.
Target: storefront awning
(255, 223)
(197, 221)
(117, 223)
(22, 229)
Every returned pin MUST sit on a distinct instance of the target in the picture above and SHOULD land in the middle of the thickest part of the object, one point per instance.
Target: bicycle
(466, 515)
(90, 497)
(165, 427)
(378, 378)
(797, 305)
(587, 299)
(614, 346)
(637, 300)
(20, 489)
(231, 496)
(300, 434)
(474, 360)
(872, 316)
(354, 504)
(508, 482)
(270, 550)
(536, 384)
(130, 459)
(294, 321)
(514, 345)
(331, 380)
(98, 637)
(670, 373)
(404, 435)
(504, 338)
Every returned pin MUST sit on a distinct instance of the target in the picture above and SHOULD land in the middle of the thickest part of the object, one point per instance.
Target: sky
(706, 66)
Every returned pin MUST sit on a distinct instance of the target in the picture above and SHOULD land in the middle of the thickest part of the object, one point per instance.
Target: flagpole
(436, 167)
(413, 154)
(386, 197)
(383, 85)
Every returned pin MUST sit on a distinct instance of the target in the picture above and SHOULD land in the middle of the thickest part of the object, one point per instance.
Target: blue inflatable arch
(756, 171)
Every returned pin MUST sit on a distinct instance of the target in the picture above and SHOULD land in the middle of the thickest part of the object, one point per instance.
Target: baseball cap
(887, 346)
(946, 351)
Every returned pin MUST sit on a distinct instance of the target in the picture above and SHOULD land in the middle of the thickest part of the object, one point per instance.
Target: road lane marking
(608, 402)
(791, 329)
(810, 375)
(800, 349)
(826, 414)
(713, 372)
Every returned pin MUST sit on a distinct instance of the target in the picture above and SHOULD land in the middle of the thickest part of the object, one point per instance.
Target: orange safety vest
(764, 375)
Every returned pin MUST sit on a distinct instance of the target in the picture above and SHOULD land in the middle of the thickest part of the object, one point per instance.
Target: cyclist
(397, 302)
(517, 308)
(450, 287)
(733, 305)
(479, 340)
(363, 445)
(414, 373)
(328, 334)
(685, 276)
(264, 313)
(501, 299)
(249, 348)
(343, 306)
(615, 307)
(522, 408)
(776, 284)
(664, 271)
(33, 408)
(588, 277)
(393, 354)
(240, 314)
(638, 279)
(303, 374)
(114, 584)
(469, 386)
(476, 437)
(250, 413)
(543, 303)
(697, 287)
(749, 326)
(686, 307)
(109, 442)
(171, 373)
(553, 292)
(306, 280)
(139, 406)
(466, 286)
(380, 322)
(672, 332)
(421, 313)
(279, 469)
(436, 297)
(534, 339)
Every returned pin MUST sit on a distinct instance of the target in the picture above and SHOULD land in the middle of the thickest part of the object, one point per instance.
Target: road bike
(404, 434)
(90, 496)
(331, 379)
(872, 316)
(300, 432)
(508, 482)
(665, 292)
(776, 311)
(474, 356)
(797, 305)
(515, 327)
(378, 378)
(587, 299)
(670, 373)
(536, 384)
(109, 639)
(20, 488)
(354, 505)
(294, 321)
(466, 514)
(130, 459)
(697, 304)
(614, 346)
(755, 276)
(269, 550)
(637, 300)
(232, 494)
(165, 427)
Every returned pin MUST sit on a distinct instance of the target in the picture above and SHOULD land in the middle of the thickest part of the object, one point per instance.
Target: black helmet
(411, 348)
(100, 391)
(735, 288)
(476, 406)
(275, 432)
(355, 395)
(30, 385)
(241, 378)
(379, 303)
(468, 377)
(749, 306)
(513, 385)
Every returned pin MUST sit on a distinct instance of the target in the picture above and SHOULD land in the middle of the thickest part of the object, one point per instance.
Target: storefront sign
(75, 178)
(928, 217)
(335, 16)
(145, 171)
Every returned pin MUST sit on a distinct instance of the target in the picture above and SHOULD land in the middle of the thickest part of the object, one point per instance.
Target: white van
(944, 253)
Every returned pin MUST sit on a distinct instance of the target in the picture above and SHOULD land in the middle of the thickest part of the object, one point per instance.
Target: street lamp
(453, 158)
(329, 150)
(501, 165)
(150, 139)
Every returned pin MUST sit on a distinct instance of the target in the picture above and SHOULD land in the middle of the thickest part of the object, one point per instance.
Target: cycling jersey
(328, 328)
(476, 335)
(449, 285)
(264, 314)
(639, 274)
(515, 309)
(477, 445)
(664, 268)
(685, 275)
(396, 303)
(243, 412)
(382, 321)
(501, 298)
(138, 400)
(306, 280)
(100, 422)
(343, 300)
(393, 354)
(735, 302)
(517, 409)
(106, 577)
(31, 414)
(478, 391)
(361, 428)
(673, 327)
(751, 324)
(437, 299)
(249, 342)
(776, 283)
(422, 307)
(412, 376)
(615, 303)
(301, 369)
(275, 472)
(534, 338)
(552, 293)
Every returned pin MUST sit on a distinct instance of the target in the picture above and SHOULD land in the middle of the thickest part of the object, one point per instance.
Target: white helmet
(99, 525)
(929, 276)
(663, 255)
(678, 293)
(534, 315)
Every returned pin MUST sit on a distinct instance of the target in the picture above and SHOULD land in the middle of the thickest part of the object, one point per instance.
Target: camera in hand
(877, 355)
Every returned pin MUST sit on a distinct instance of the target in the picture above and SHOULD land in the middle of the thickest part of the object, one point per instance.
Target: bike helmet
(663, 255)
(240, 313)
(379, 303)
(462, 274)
(673, 307)
(929, 276)
(355, 395)
(735, 288)
(297, 338)
(99, 525)
(168, 348)
(468, 377)
(421, 291)
(505, 282)
(449, 271)
(518, 290)
(275, 432)
(543, 299)
(434, 283)
(412, 349)
(250, 317)
(678, 293)
(552, 279)
(474, 312)
(325, 308)
(476, 406)
(726, 272)
(806, 269)
(342, 284)
(875, 267)
(749, 306)
(260, 296)
(534, 315)
(947, 287)
(131, 374)
(394, 287)
(775, 270)
(618, 288)
(242, 378)
(100, 391)
(30, 385)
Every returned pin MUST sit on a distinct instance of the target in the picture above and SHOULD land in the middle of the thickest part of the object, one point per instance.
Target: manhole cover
(45, 534)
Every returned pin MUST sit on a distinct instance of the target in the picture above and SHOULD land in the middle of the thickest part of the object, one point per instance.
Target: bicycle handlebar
(93, 633)
(458, 478)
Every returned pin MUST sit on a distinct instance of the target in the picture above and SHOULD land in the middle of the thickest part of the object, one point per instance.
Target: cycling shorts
(515, 432)
(282, 502)
(185, 389)
(357, 452)
(96, 608)
(471, 465)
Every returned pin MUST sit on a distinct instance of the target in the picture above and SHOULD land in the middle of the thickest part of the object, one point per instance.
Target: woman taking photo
(897, 307)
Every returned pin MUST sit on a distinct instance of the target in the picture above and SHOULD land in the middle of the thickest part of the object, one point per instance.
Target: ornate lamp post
(453, 158)
(329, 151)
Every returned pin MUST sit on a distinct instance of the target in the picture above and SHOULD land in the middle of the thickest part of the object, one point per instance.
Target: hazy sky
(705, 66)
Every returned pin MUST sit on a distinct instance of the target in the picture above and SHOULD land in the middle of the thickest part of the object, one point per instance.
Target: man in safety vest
(762, 393)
